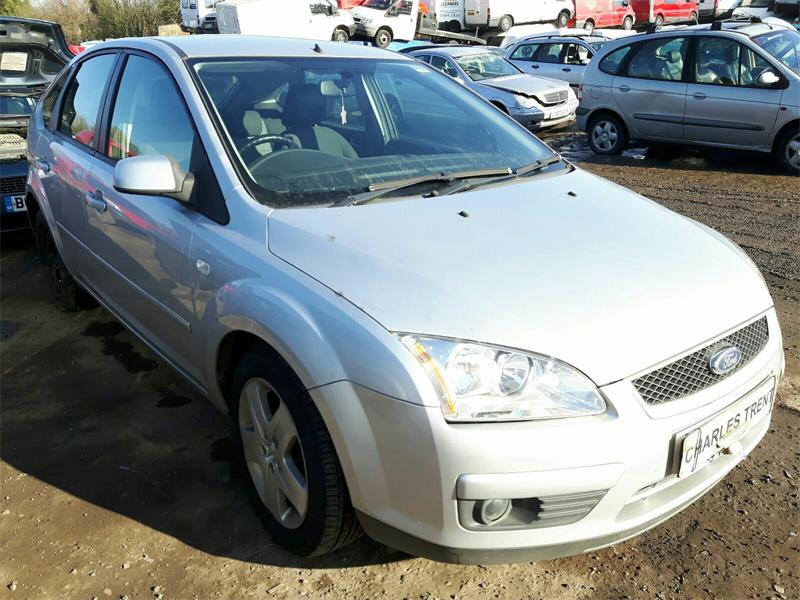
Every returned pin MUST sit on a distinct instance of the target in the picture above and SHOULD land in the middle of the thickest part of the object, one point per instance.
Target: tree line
(98, 19)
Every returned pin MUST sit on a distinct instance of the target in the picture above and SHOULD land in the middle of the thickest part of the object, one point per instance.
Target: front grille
(692, 374)
(558, 97)
(12, 185)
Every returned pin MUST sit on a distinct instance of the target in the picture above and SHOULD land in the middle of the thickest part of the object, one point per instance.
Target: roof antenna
(317, 49)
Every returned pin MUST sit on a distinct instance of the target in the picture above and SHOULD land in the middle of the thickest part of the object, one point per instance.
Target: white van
(716, 8)
(198, 16)
(310, 19)
(503, 14)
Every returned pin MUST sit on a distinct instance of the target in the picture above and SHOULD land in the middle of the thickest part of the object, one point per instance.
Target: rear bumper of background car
(588, 482)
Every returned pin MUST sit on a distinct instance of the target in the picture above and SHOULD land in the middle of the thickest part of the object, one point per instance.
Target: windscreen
(316, 131)
(783, 44)
(486, 65)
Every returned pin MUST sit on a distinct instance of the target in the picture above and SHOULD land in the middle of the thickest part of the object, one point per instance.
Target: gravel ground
(115, 480)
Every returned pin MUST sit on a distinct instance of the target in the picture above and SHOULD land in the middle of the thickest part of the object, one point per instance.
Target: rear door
(725, 103)
(652, 91)
(142, 243)
(67, 162)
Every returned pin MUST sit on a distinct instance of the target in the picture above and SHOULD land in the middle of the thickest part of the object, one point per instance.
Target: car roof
(456, 51)
(561, 38)
(221, 45)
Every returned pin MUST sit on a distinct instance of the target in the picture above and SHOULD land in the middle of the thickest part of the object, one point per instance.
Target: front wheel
(787, 151)
(588, 27)
(290, 458)
(627, 24)
(341, 35)
(65, 292)
(506, 22)
(383, 38)
(607, 135)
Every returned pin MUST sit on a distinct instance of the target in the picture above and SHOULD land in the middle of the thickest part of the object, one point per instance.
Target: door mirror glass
(768, 78)
(152, 175)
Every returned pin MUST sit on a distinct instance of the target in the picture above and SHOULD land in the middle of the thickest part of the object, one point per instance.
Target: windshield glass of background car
(486, 65)
(315, 131)
(379, 4)
(16, 105)
(784, 45)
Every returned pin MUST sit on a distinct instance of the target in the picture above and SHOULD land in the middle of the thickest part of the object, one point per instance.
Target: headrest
(304, 105)
(674, 57)
(253, 123)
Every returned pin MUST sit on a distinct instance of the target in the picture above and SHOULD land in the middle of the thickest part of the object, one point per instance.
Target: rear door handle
(566, 70)
(42, 165)
(699, 96)
(534, 66)
(95, 200)
(624, 88)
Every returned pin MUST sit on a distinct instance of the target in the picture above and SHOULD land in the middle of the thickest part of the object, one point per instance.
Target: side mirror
(156, 175)
(768, 78)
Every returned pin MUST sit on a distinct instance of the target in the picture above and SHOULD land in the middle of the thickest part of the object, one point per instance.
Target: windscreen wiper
(466, 185)
(384, 188)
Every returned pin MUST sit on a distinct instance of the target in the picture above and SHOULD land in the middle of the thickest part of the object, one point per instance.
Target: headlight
(365, 20)
(526, 101)
(476, 382)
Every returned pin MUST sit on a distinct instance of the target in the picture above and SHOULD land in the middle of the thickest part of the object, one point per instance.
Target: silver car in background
(536, 102)
(730, 84)
(420, 319)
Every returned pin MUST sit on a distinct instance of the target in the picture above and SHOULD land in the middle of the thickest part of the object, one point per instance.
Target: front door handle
(566, 70)
(95, 200)
(624, 88)
(534, 66)
(42, 165)
(699, 96)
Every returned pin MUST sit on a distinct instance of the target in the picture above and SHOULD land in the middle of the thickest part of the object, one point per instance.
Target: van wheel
(588, 27)
(787, 151)
(607, 135)
(290, 458)
(383, 37)
(563, 20)
(506, 22)
(341, 35)
(627, 24)
(659, 21)
(67, 295)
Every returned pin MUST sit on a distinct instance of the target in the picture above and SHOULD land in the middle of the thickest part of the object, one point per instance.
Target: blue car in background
(32, 54)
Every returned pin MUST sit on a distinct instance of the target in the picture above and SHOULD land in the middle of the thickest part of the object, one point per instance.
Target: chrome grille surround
(691, 373)
(557, 97)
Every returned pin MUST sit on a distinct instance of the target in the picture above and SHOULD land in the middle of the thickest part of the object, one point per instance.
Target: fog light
(491, 511)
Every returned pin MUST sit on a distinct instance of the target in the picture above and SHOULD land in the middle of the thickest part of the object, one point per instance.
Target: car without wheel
(536, 102)
(32, 53)
(731, 84)
(421, 321)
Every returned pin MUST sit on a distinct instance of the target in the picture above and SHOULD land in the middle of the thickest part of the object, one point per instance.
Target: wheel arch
(600, 112)
(499, 105)
(793, 124)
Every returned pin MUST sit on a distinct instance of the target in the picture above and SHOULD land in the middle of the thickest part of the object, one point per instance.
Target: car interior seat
(302, 113)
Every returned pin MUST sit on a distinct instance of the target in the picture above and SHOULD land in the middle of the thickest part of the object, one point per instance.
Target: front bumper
(545, 117)
(367, 30)
(407, 469)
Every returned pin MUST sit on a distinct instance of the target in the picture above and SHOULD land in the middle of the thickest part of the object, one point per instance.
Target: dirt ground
(115, 480)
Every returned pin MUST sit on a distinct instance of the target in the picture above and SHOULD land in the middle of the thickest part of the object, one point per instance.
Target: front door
(725, 103)
(142, 243)
(652, 92)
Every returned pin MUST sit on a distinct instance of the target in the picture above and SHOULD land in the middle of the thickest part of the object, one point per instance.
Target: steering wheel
(268, 138)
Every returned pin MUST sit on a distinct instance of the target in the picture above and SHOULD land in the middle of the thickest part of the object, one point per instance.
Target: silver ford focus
(422, 322)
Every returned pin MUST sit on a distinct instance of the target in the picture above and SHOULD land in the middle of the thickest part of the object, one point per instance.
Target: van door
(320, 23)
(652, 92)
(404, 19)
(725, 103)
(143, 243)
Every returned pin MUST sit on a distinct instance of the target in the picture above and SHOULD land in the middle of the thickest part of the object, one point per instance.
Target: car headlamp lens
(526, 101)
(477, 382)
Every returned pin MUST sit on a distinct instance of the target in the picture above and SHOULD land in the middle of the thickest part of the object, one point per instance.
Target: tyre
(787, 151)
(383, 37)
(506, 22)
(289, 457)
(659, 21)
(627, 24)
(341, 35)
(588, 27)
(607, 135)
(563, 20)
(67, 295)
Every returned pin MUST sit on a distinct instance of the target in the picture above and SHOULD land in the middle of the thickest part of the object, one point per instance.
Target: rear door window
(79, 110)
(613, 61)
(661, 59)
(549, 53)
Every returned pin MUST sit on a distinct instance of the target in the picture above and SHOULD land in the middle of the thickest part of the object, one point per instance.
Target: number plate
(14, 204)
(557, 114)
(705, 443)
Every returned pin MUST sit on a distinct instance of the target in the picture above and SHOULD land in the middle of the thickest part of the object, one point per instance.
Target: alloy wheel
(793, 152)
(605, 135)
(273, 452)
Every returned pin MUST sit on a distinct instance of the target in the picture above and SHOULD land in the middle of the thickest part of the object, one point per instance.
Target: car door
(67, 163)
(652, 91)
(725, 103)
(142, 243)
(547, 60)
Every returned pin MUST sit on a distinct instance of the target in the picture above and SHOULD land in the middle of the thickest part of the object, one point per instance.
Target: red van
(345, 4)
(603, 13)
(660, 12)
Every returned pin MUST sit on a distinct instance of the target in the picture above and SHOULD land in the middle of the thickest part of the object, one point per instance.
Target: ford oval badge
(724, 360)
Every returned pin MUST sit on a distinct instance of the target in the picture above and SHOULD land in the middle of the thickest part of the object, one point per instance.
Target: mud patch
(124, 353)
(103, 329)
(173, 401)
